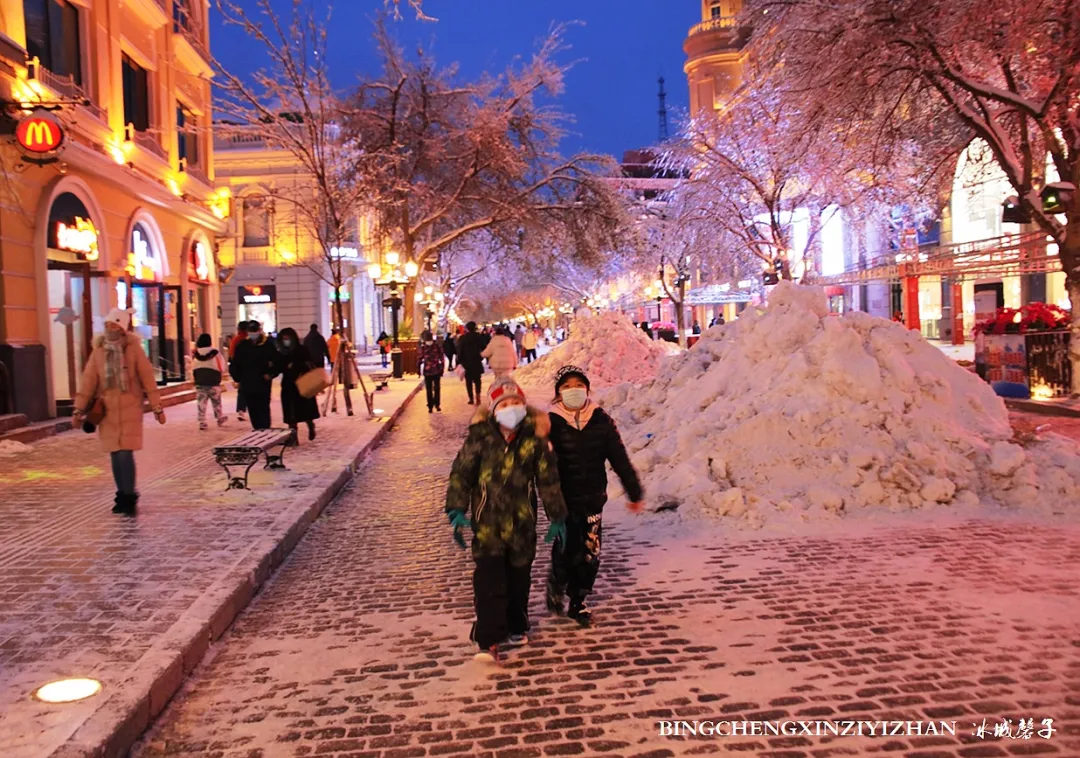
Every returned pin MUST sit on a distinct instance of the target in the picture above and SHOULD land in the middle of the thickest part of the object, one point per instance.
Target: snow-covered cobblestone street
(135, 602)
(358, 646)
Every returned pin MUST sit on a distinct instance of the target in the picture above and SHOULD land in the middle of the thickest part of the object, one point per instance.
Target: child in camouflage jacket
(497, 475)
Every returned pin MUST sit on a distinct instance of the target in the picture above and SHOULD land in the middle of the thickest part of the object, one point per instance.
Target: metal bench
(381, 381)
(246, 450)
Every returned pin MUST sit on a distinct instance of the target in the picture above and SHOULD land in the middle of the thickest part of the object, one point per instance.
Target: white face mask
(575, 397)
(511, 418)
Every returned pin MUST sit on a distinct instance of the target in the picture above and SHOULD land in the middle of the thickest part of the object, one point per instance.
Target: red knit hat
(504, 389)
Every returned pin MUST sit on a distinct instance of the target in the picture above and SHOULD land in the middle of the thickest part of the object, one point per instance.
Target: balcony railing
(150, 143)
(188, 26)
(61, 84)
(65, 86)
(714, 24)
(230, 137)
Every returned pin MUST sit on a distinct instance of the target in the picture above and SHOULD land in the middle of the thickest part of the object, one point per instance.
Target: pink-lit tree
(756, 170)
(936, 74)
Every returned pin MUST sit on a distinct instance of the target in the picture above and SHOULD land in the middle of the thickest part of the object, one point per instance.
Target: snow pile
(10, 448)
(791, 409)
(608, 346)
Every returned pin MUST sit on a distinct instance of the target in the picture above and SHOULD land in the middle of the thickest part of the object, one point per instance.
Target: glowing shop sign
(200, 264)
(344, 253)
(80, 236)
(40, 133)
(253, 295)
(141, 261)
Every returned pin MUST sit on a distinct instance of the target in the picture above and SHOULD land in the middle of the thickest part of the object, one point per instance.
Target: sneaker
(488, 655)
(438, 408)
(203, 427)
(430, 410)
(223, 420)
(471, 402)
(517, 640)
(579, 612)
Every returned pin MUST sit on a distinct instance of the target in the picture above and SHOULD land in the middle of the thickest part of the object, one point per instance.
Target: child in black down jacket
(585, 439)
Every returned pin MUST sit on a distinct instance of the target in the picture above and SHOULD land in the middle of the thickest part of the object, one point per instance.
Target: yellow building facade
(123, 217)
(275, 270)
(715, 54)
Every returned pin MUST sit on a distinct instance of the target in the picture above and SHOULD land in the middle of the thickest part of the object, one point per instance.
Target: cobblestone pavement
(358, 646)
(85, 592)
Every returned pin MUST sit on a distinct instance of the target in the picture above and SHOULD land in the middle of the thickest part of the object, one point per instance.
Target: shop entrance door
(70, 325)
(172, 334)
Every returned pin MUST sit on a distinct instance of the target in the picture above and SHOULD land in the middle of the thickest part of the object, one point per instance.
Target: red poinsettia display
(1034, 317)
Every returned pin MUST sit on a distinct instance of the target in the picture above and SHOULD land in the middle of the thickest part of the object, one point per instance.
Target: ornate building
(107, 188)
(715, 54)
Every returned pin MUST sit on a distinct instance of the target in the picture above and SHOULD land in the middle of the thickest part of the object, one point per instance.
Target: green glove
(557, 530)
(459, 522)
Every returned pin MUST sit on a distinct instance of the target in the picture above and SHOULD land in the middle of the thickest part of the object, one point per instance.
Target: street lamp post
(389, 275)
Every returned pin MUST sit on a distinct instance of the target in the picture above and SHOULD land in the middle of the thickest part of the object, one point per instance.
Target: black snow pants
(575, 563)
(501, 592)
(258, 405)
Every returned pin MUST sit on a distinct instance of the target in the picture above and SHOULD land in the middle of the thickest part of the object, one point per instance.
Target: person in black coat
(295, 361)
(315, 344)
(450, 350)
(585, 439)
(254, 367)
(469, 348)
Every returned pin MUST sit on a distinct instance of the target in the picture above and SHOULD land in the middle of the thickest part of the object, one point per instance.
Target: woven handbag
(313, 382)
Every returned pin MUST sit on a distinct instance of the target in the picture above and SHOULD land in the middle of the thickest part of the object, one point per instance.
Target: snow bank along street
(358, 646)
(607, 346)
(793, 413)
(134, 602)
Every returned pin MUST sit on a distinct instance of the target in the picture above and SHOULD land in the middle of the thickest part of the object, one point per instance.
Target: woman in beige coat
(119, 372)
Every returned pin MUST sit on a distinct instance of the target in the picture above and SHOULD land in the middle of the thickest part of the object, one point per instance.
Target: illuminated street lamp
(389, 275)
(432, 300)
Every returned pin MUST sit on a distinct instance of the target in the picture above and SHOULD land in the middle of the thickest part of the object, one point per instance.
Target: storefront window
(259, 303)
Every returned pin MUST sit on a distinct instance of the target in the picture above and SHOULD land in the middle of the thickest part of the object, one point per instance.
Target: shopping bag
(313, 382)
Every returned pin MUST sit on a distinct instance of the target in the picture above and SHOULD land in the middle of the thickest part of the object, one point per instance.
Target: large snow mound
(793, 410)
(608, 346)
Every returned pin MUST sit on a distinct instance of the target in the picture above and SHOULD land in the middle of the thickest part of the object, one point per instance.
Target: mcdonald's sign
(40, 133)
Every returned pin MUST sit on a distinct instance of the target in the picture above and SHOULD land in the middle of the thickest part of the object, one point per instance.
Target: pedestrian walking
(333, 346)
(237, 340)
(498, 472)
(470, 349)
(385, 346)
(696, 329)
(584, 439)
(254, 366)
(450, 349)
(501, 355)
(294, 361)
(519, 341)
(114, 381)
(431, 361)
(316, 346)
(529, 343)
(208, 368)
(646, 328)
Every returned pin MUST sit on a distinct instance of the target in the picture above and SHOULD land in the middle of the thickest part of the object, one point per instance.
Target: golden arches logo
(39, 133)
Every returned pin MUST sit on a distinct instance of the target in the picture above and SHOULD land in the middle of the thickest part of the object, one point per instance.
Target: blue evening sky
(611, 92)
